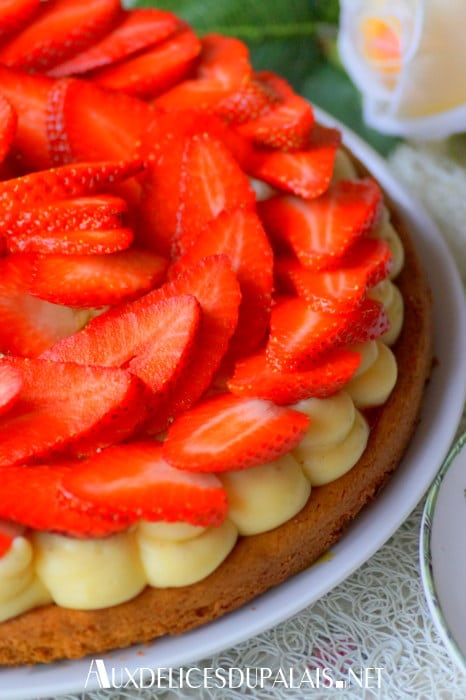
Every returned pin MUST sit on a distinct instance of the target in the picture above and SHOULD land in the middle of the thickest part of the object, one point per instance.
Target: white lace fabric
(378, 617)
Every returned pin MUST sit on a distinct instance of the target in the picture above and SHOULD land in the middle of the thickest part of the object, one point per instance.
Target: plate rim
(425, 556)
(354, 536)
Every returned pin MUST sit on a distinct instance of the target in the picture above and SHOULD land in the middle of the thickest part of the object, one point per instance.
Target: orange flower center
(381, 42)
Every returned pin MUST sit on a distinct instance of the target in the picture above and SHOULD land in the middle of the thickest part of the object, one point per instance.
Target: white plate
(441, 414)
(443, 552)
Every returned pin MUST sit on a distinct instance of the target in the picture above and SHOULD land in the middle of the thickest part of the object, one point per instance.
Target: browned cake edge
(259, 562)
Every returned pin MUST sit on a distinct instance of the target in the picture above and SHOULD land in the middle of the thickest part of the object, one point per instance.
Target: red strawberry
(224, 60)
(198, 95)
(63, 403)
(15, 14)
(103, 211)
(192, 176)
(95, 280)
(322, 230)
(154, 70)
(341, 289)
(153, 341)
(299, 335)
(11, 384)
(28, 95)
(239, 234)
(211, 181)
(8, 124)
(85, 122)
(134, 480)
(31, 495)
(306, 173)
(63, 28)
(286, 126)
(228, 432)
(216, 288)
(136, 31)
(76, 180)
(78, 242)
(29, 325)
(254, 376)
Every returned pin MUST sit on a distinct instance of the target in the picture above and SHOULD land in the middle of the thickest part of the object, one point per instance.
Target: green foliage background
(295, 38)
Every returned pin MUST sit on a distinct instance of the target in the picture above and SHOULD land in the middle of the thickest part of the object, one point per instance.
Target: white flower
(408, 58)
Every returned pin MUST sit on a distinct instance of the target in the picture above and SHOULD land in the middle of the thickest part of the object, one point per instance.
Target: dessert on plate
(212, 319)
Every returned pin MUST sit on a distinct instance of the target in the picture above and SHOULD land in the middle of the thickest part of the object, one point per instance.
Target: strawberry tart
(211, 321)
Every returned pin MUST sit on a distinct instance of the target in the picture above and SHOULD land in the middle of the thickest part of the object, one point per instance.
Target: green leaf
(332, 90)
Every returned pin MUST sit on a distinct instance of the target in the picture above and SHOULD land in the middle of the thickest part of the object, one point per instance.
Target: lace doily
(378, 617)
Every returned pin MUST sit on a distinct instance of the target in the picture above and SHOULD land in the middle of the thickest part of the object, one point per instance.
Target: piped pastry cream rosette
(213, 330)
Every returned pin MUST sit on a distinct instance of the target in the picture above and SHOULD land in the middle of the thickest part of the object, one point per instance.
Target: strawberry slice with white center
(300, 335)
(341, 289)
(31, 497)
(154, 342)
(8, 533)
(239, 234)
(61, 29)
(134, 480)
(211, 181)
(11, 383)
(254, 376)
(227, 432)
(322, 230)
(136, 31)
(306, 173)
(61, 403)
(30, 325)
(88, 281)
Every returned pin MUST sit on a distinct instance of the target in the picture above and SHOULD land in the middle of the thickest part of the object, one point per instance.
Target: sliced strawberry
(87, 281)
(76, 180)
(224, 60)
(77, 242)
(322, 230)
(32, 496)
(103, 211)
(30, 325)
(160, 361)
(286, 126)
(85, 122)
(199, 95)
(136, 31)
(248, 102)
(16, 14)
(62, 403)
(216, 288)
(134, 480)
(306, 173)
(227, 432)
(239, 234)
(299, 335)
(28, 96)
(211, 181)
(154, 70)
(254, 376)
(8, 533)
(153, 341)
(191, 177)
(8, 125)
(11, 384)
(341, 289)
(63, 28)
